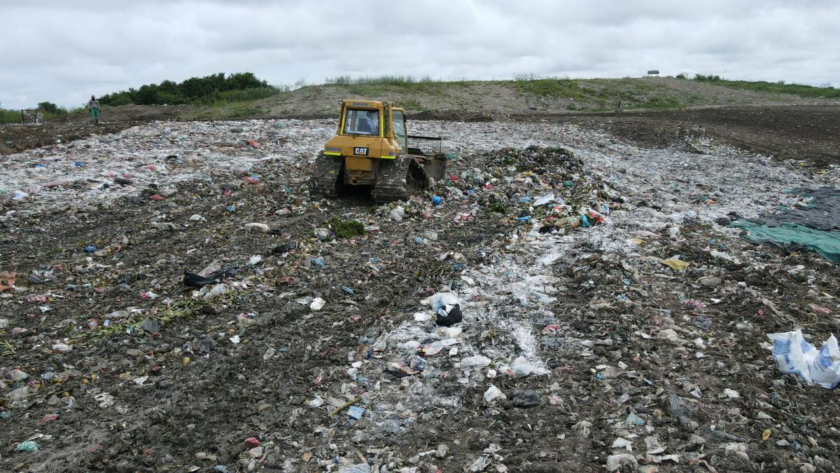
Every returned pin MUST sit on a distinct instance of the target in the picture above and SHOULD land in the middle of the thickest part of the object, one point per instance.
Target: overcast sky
(65, 50)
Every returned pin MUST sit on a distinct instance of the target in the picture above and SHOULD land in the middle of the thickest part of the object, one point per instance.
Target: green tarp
(793, 237)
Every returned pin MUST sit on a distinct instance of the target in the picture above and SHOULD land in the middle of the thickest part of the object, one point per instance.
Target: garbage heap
(571, 303)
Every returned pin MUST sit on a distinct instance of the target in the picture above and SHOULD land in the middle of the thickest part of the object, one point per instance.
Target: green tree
(49, 107)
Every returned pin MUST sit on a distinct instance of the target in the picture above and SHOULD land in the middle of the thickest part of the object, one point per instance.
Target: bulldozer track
(327, 176)
(397, 177)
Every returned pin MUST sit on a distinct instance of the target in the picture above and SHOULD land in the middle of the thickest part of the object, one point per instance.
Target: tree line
(210, 88)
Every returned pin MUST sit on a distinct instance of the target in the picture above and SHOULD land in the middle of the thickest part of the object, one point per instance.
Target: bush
(779, 87)
(119, 99)
(339, 80)
(378, 80)
(10, 116)
(526, 77)
(49, 107)
(346, 228)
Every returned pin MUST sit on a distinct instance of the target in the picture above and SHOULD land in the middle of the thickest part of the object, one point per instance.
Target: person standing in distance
(93, 106)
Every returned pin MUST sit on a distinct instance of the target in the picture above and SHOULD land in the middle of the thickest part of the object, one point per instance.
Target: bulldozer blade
(435, 167)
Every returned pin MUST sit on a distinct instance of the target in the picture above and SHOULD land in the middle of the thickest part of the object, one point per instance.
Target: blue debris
(355, 412)
(584, 221)
(633, 419)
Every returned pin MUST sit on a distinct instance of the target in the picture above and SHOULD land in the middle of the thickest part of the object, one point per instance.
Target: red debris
(7, 281)
(39, 299)
(47, 418)
(156, 197)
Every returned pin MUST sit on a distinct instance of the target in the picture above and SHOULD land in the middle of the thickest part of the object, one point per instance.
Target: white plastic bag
(793, 354)
(492, 394)
(441, 300)
(471, 362)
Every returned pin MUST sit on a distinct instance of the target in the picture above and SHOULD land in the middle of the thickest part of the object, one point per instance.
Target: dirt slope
(508, 97)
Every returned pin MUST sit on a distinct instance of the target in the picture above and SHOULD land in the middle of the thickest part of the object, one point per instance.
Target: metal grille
(426, 145)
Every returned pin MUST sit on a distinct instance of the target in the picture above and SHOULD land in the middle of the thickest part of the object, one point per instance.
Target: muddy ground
(595, 343)
(810, 133)
(15, 138)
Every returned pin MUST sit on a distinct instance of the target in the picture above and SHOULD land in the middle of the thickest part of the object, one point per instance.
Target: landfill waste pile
(171, 299)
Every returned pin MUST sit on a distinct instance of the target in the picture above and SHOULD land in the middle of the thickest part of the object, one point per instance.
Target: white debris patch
(102, 168)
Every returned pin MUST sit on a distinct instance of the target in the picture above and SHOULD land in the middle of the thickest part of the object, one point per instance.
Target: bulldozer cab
(362, 122)
(372, 148)
(400, 128)
(378, 126)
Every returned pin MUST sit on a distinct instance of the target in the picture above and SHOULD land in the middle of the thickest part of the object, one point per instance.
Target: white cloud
(64, 51)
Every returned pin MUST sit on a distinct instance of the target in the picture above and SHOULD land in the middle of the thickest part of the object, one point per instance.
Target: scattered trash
(397, 214)
(355, 412)
(526, 399)
(7, 281)
(257, 227)
(317, 304)
(616, 462)
(675, 264)
(480, 464)
(28, 446)
(731, 393)
(564, 323)
(358, 468)
(448, 315)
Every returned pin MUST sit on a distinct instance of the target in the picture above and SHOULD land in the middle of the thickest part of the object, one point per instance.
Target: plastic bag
(492, 394)
(360, 468)
(471, 362)
(793, 354)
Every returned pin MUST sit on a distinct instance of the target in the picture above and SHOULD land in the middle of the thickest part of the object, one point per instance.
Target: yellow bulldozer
(373, 149)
